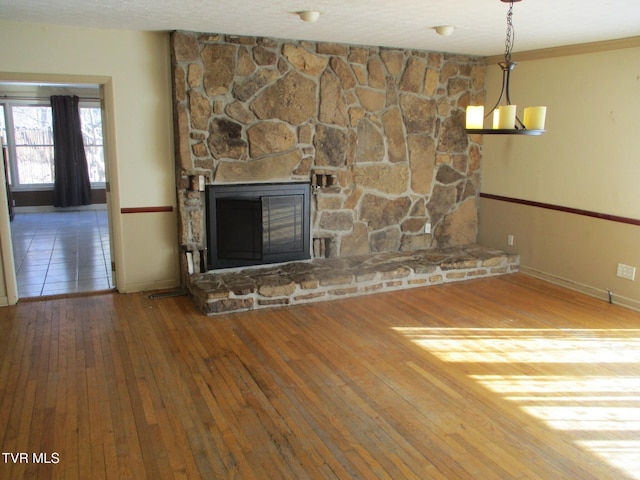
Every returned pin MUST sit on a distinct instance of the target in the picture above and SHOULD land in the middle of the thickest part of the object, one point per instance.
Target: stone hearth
(321, 279)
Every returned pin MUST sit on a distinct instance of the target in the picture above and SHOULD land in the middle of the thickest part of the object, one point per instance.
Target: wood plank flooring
(506, 377)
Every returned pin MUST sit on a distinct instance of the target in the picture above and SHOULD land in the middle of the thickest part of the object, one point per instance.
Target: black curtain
(71, 185)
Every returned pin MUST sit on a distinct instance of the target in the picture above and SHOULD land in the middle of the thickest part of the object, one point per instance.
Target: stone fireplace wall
(378, 132)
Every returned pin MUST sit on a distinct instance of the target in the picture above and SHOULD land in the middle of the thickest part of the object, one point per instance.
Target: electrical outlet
(427, 227)
(510, 240)
(626, 271)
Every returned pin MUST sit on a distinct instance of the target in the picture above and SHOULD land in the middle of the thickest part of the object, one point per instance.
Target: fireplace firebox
(254, 224)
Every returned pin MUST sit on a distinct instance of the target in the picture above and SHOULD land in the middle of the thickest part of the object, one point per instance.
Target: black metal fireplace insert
(254, 224)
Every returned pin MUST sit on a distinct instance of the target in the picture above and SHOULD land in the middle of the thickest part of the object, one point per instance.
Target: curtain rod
(26, 97)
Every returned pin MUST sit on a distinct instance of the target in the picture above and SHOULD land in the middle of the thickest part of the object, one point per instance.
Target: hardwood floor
(506, 377)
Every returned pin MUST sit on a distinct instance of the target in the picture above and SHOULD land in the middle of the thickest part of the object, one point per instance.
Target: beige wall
(587, 160)
(134, 69)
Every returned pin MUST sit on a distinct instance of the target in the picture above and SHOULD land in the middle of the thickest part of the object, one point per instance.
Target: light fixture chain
(510, 34)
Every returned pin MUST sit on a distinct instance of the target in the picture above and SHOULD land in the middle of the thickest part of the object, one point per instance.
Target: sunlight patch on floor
(601, 413)
(604, 418)
(562, 384)
(622, 454)
(527, 345)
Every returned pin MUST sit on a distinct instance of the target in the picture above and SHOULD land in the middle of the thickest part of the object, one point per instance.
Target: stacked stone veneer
(379, 132)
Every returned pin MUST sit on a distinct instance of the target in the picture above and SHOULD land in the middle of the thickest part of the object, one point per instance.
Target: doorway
(61, 252)
(55, 251)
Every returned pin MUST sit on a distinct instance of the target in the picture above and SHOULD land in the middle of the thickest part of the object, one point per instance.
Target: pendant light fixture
(505, 118)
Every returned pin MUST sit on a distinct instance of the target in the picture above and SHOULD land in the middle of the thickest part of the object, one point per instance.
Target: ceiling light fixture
(505, 118)
(309, 15)
(444, 30)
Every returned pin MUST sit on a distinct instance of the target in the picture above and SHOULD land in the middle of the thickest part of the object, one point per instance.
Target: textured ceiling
(479, 24)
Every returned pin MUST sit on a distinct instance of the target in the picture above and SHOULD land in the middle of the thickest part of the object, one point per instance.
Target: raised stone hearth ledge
(323, 279)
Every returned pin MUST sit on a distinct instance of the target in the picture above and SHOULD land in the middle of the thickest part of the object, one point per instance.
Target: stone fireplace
(377, 132)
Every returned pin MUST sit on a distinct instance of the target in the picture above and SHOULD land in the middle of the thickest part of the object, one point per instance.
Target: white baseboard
(579, 287)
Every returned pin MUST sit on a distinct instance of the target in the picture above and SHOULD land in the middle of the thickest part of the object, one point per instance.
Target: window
(33, 143)
(28, 133)
(91, 120)
(3, 140)
(3, 129)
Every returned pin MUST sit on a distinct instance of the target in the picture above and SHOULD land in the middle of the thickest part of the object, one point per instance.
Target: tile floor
(61, 252)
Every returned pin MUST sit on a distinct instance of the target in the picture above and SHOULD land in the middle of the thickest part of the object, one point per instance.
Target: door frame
(108, 131)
